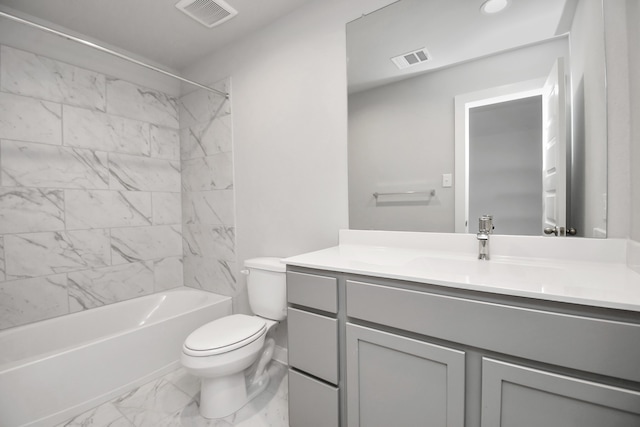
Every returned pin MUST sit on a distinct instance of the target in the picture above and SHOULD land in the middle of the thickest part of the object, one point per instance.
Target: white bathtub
(58, 368)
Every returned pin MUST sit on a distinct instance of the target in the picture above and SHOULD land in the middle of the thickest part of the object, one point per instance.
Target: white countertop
(582, 271)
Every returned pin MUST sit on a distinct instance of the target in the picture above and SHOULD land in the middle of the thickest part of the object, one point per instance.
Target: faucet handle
(485, 224)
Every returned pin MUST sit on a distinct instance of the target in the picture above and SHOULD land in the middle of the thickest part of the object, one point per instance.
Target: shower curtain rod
(109, 51)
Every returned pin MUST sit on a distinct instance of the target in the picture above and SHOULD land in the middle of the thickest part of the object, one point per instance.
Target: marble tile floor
(172, 401)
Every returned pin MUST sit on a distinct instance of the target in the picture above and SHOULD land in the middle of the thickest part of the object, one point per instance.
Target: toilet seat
(224, 335)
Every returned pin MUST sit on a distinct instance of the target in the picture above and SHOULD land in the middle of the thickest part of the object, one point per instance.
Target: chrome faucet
(485, 228)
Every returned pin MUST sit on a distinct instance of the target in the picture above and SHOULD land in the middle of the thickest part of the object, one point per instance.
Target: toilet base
(222, 396)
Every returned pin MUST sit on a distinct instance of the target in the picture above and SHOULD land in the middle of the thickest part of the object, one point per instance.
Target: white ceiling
(155, 29)
(452, 31)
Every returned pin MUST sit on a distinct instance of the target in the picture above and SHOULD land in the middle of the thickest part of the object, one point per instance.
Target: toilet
(230, 354)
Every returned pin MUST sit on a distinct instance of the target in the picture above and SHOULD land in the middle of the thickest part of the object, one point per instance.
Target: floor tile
(158, 396)
(104, 415)
(172, 401)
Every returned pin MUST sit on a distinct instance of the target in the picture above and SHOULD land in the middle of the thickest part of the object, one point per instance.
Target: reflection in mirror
(454, 113)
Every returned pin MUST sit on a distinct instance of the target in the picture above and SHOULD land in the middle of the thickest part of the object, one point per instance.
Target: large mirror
(455, 112)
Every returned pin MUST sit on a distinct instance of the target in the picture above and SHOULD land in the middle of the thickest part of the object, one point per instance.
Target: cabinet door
(517, 396)
(398, 381)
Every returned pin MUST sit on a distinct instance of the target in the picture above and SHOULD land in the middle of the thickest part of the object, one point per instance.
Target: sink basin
(569, 270)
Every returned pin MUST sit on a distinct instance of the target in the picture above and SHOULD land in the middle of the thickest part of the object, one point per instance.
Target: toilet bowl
(230, 354)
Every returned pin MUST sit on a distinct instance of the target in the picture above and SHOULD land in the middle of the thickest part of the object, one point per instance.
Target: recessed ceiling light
(490, 7)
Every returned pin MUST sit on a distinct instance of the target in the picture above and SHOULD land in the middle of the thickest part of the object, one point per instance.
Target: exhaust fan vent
(207, 12)
(412, 58)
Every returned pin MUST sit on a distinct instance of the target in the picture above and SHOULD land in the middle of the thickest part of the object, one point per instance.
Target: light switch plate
(447, 180)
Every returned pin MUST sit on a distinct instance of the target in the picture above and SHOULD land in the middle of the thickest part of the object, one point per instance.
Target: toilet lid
(224, 334)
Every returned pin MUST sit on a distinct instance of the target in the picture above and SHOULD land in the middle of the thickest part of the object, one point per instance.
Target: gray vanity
(375, 350)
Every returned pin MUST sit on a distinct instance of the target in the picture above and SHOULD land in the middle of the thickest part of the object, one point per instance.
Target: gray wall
(289, 130)
(588, 210)
(402, 134)
(619, 50)
(633, 17)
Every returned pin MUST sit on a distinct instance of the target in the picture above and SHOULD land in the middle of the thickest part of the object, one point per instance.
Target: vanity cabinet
(527, 364)
(313, 350)
(418, 354)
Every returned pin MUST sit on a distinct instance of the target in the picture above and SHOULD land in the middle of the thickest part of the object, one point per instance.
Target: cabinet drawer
(313, 291)
(550, 337)
(313, 344)
(311, 403)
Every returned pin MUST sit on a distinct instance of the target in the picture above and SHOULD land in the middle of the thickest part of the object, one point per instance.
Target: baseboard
(633, 255)
(280, 354)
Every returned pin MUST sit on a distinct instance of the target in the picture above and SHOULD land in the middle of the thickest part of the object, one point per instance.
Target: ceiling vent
(207, 12)
(410, 59)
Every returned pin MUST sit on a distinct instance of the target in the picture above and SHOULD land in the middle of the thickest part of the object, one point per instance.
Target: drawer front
(313, 344)
(312, 403)
(555, 338)
(313, 291)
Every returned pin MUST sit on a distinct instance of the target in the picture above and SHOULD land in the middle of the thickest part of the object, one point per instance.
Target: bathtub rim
(29, 360)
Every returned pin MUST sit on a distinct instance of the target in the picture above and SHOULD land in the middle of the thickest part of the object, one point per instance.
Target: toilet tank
(267, 287)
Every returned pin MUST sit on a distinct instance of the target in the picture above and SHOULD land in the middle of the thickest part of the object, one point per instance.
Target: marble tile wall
(208, 217)
(90, 188)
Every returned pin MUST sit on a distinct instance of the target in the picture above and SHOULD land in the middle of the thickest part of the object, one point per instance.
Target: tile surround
(167, 273)
(100, 286)
(131, 244)
(218, 175)
(2, 269)
(30, 119)
(107, 209)
(210, 274)
(129, 100)
(208, 207)
(207, 193)
(200, 106)
(99, 178)
(96, 130)
(206, 139)
(40, 77)
(26, 164)
(165, 142)
(27, 210)
(210, 239)
(30, 300)
(138, 173)
(42, 254)
(166, 208)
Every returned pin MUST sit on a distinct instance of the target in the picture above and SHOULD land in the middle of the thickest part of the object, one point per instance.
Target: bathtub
(55, 369)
